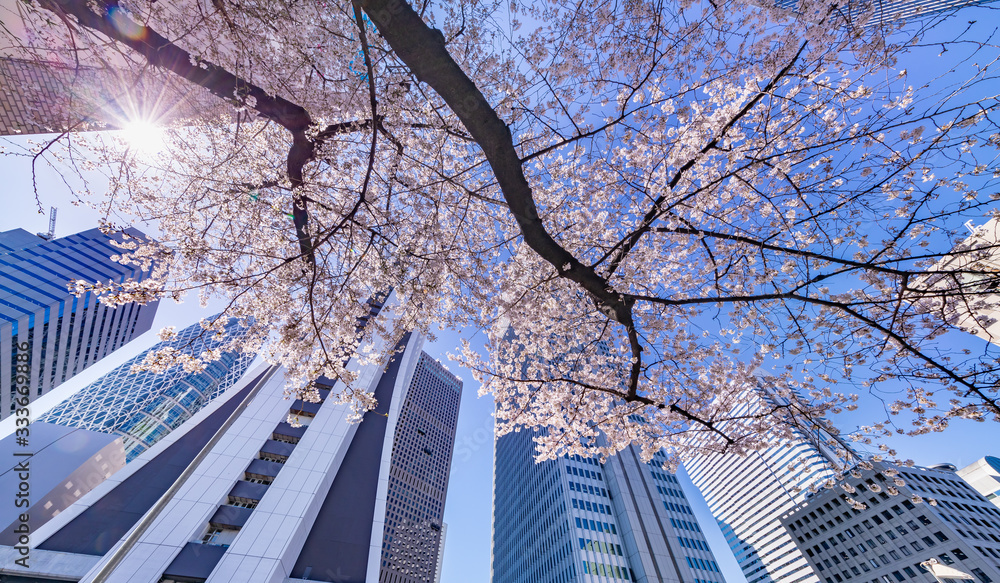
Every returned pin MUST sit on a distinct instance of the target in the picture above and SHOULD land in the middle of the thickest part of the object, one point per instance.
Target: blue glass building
(576, 520)
(144, 406)
(64, 334)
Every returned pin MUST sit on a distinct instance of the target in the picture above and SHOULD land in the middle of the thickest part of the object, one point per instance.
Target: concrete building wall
(898, 529)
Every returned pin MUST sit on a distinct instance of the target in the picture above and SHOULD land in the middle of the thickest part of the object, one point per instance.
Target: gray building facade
(899, 527)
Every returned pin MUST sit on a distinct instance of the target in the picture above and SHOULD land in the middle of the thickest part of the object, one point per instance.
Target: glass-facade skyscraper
(63, 334)
(749, 493)
(144, 406)
(576, 520)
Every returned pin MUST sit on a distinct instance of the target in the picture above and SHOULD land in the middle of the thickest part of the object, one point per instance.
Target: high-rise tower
(748, 494)
(49, 332)
(576, 520)
(418, 475)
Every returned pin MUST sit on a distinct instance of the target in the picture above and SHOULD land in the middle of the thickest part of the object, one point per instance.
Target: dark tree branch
(423, 50)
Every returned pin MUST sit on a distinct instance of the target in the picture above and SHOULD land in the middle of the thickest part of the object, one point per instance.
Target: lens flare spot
(124, 24)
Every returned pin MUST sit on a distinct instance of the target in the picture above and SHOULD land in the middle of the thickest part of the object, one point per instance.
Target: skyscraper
(144, 406)
(748, 494)
(418, 475)
(970, 305)
(576, 520)
(885, 11)
(898, 530)
(257, 488)
(984, 475)
(45, 326)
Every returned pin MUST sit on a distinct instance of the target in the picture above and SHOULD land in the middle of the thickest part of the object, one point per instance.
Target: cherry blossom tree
(641, 202)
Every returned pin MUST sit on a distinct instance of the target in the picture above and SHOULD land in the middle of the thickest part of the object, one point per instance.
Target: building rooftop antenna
(52, 225)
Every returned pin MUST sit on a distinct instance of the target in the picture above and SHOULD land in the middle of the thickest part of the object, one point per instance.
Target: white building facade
(984, 475)
(240, 494)
(748, 494)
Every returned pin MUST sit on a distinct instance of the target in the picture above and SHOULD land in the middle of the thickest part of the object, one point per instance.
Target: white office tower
(897, 532)
(748, 494)
(984, 475)
(973, 307)
(575, 520)
(239, 494)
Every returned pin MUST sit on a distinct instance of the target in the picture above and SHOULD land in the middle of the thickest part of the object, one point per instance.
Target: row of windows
(696, 563)
(593, 507)
(972, 521)
(972, 508)
(599, 526)
(601, 547)
(665, 478)
(685, 524)
(606, 570)
(988, 550)
(582, 460)
(583, 473)
(670, 492)
(898, 577)
(693, 544)
(903, 547)
(678, 508)
(587, 489)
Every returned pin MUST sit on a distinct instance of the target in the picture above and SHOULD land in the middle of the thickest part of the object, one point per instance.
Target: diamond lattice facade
(144, 406)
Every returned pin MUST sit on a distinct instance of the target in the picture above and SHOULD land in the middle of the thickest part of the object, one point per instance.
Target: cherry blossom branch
(423, 50)
(625, 246)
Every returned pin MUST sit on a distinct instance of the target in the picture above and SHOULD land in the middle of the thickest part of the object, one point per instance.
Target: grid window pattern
(144, 406)
(418, 475)
(749, 494)
(65, 334)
